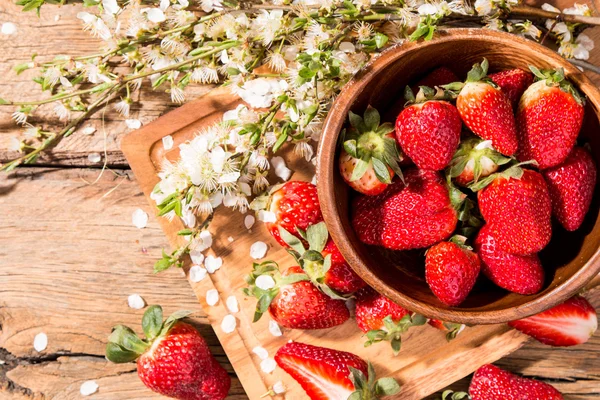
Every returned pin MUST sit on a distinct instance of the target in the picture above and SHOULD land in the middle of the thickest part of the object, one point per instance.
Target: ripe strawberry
(292, 300)
(323, 262)
(519, 274)
(369, 158)
(549, 118)
(567, 324)
(475, 159)
(410, 215)
(517, 207)
(438, 77)
(571, 187)
(513, 82)
(493, 383)
(382, 319)
(452, 329)
(295, 205)
(451, 269)
(327, 374)
(174, 359)
(428, 131)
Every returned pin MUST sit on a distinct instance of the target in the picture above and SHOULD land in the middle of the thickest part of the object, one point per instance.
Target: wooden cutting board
(426, 363)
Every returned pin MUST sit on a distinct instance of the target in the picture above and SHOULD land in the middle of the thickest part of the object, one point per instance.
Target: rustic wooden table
(70, 256)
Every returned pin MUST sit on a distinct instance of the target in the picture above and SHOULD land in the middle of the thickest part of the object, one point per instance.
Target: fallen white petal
(232, 304)
(88, 387)
(133, 123)
(261, 352)
(8, 28)
(281, 170)
(197, 273)
(154, 14)
(111, 6)
(206, 238)
(249, 221)
(265, 282)
(167, 142)
(212, 263)
(258, 250)
(274, 328)
(268, 365)
(88, 130)
(197, 256)
(40, 342)
(136, 302)
(228, 324)
(94, 157)
(139, 218)
(230, 239)
(212, 297)
(266, 216)
(278, 387)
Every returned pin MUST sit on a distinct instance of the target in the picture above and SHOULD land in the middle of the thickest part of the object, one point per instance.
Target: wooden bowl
(570, 260)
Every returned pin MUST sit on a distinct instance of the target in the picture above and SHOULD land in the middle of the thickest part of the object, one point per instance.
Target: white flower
(19, 117)
(266, 25)
(205, 75)
(111, 6)
(484, 7)
(94, 75)
(88, 388)
(427, 9)
(155, 15)
(560, 29)
(304, 149)
(95, 25)
(40, 342)
(8, 28)
(14, 144)
(123, 107)
(177, 95)
(578, 9)
(210, 5)
(164, 4)
(61, 111)
(139, 218)
(260, 92)
(276, 62)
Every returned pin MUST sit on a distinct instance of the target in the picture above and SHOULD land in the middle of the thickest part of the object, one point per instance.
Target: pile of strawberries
(489, 160)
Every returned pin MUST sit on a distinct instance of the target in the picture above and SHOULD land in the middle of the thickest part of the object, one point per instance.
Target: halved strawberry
(369, 157)
(291, 299)
(452, 329)
(328, 374)
(567, 324)
(513, 83)
(475, 159)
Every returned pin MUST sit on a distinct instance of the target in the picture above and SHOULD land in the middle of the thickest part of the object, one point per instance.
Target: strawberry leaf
(291, 240)
(350, 147)
(371, 118)
(359, 170)
(381, 171)
(117, 354)
(386, 387)
(317, 236)
(357, 122)
(152, 321)
(126, 338)
(173, 318)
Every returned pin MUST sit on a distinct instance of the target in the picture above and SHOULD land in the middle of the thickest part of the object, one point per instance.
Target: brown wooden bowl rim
(326, 170)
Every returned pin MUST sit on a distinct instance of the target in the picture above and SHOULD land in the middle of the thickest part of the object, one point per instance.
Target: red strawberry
(382, 319)
(295, 205)
(327, 374)
(517, 206)
(475, 159)
(292, 300)
(341, 276)
(438, 77)
(429, 131)
(451, 269)
(549, 118)
(369, 158)
(452, 329)
(410, 215)
(487, 111)
(519, 274)
(174, 359)
(513, 83)
(493, 383)
(567, 324)
(571, 187)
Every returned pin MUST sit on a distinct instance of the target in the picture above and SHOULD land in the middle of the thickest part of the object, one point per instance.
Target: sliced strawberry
(493, 383)
(567, 324)
(513, 83)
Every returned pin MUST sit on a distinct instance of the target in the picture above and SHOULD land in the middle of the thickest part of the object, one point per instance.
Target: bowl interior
(400, 274)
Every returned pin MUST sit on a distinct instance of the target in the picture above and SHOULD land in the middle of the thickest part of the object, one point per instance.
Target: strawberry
(295, 205)
(519, 274)
(475, 159)
(486, 110)
(549, 118)
(323, 262)
(571, 187)
(513, 82)
(382, 319)
(451, 269)
(174, 359)
(428, 131)
(493, 383)
(567, 324)
(438, 77)
(369, 157)
(328, 374)
(292, 300)
(516, 205)
(413, 214)
(452, 329)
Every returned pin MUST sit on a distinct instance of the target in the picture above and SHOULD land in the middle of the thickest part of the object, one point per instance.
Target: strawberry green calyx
(392, 330)
(466, 209)
(461, 241)
(311, 260)
(556, 78)
(453, 330)
(371, 144)
(450, 395)
(265, 289)
(125, 346)
(478, 73)
(514, 172)
(480, 152)
(426, 93)
(367, 388)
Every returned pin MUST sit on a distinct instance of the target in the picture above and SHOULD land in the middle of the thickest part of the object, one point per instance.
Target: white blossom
(154, 14)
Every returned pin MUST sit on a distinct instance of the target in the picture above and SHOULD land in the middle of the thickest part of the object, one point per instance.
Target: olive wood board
(426, 363)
